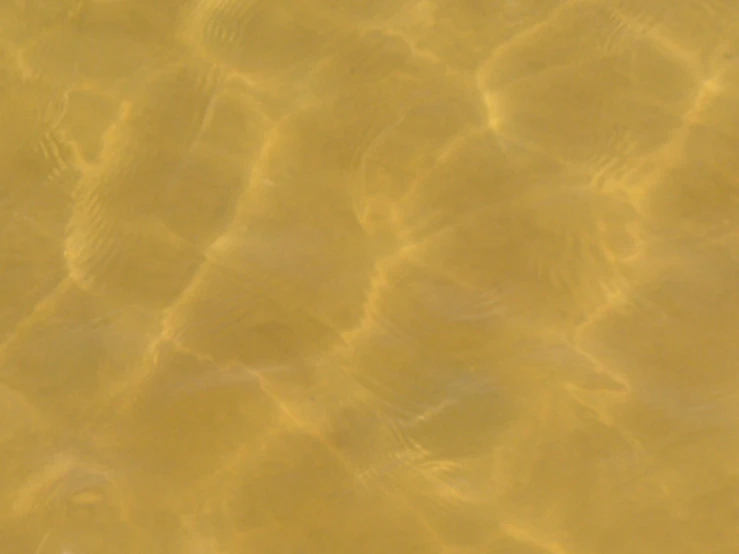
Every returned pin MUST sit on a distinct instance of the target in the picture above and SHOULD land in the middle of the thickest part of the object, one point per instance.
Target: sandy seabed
(369, 277)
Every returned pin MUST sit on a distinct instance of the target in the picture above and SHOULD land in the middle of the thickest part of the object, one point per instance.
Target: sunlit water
(369, 276)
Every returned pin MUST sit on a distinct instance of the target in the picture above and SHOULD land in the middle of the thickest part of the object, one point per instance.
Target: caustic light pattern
(352, 276)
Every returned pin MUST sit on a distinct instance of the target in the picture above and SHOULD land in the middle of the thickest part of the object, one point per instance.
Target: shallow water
(368, 277)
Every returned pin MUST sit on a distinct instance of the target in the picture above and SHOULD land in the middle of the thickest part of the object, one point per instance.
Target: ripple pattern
(421, 276)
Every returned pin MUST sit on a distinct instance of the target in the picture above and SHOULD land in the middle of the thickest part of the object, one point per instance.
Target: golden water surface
(369, 276)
